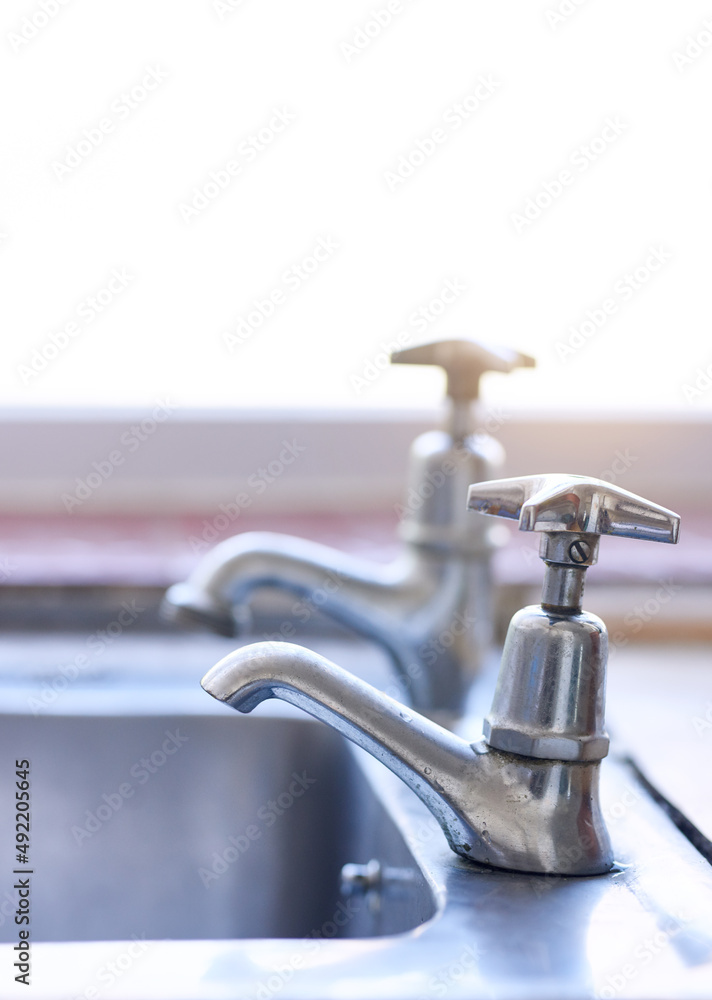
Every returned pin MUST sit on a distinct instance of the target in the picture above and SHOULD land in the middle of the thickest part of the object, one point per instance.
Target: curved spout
(497, 808)
(420, 609)
(416, 749)
(229, 573)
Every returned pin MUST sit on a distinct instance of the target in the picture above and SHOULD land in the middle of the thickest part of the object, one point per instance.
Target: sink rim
(405, 964)
(207, 968)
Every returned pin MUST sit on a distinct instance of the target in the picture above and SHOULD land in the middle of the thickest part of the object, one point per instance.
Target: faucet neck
(567, 556)
(549, 700)
(462, 420)
(562, 592)
(493, 807)
(440, 469)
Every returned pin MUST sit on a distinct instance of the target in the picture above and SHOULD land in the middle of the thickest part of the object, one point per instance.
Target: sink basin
(189, 826)
(182, 850)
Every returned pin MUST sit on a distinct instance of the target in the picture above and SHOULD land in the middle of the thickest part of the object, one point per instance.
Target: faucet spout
(496, 808)
(430, 610)
(420, 608)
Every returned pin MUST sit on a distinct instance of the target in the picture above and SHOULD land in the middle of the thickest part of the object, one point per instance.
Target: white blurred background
(358, 95)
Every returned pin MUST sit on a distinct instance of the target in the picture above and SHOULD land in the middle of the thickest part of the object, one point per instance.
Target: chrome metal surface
(643, 931)
(433, 513)
(563, 587)
(429, 610)
(564, 502)
(550, 697)
(573, 549)
(496, 808)
(464, 361)
(432, 608)
(188, 826)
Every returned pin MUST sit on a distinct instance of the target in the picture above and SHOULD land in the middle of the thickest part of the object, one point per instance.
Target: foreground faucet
(525, 797)
(431, 608)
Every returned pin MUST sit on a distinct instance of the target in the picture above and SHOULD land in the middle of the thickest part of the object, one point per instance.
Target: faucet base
(538, 816)
(497, 808)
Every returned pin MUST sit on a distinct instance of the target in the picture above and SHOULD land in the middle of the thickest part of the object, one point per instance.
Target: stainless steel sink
(126, 911)
(189, 826)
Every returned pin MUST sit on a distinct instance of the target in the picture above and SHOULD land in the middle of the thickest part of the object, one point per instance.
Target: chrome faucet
(431, 608)
(525, 797)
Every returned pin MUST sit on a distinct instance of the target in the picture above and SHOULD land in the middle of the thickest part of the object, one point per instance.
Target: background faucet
(431, 609)
(526, 797)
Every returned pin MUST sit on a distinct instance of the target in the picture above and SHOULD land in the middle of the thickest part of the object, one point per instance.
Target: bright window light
(242, 203)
